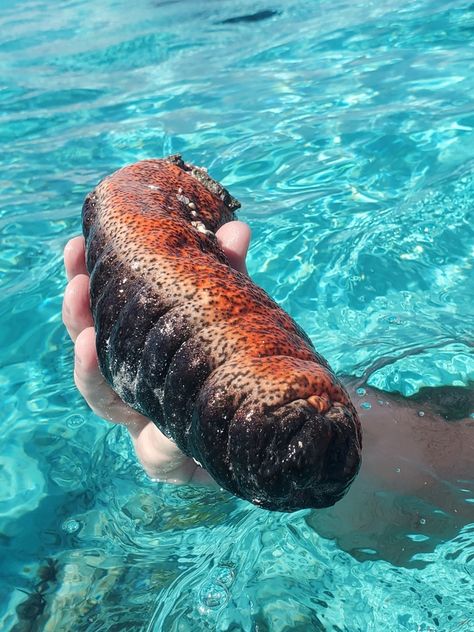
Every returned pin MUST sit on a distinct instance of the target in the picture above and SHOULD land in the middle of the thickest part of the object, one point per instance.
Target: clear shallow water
(346, 131)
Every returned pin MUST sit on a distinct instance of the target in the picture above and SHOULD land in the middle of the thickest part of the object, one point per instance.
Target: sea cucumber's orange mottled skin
(205, 353)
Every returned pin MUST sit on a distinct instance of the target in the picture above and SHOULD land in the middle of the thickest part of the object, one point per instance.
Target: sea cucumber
(205, 353)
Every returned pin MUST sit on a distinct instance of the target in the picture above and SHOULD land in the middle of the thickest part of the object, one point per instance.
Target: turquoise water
(346, 130)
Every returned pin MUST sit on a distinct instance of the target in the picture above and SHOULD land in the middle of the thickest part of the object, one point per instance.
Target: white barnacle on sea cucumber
(199, 226)
(183, 198)
(153, 187)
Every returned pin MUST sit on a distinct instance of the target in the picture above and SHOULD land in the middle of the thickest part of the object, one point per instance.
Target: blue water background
(346, 131)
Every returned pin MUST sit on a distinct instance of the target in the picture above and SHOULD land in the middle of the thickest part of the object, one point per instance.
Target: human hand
(159, 456)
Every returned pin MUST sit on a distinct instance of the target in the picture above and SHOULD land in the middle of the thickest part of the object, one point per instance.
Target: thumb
(234, 239)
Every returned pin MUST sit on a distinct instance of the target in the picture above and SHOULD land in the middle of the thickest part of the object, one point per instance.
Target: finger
(234, 239)
(74, 257)
(76, 306)
(95, 390)
(87, 376)
(86, 362)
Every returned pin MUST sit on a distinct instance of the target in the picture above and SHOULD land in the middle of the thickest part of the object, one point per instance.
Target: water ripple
(346, 130)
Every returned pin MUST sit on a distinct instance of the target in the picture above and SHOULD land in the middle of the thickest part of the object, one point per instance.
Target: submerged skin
(417, 475)
(194, 345)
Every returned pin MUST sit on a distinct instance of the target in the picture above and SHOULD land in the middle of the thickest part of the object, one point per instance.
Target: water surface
(346, 131)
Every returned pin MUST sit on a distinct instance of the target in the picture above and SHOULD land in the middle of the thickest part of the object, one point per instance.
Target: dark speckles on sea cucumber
(205, 353)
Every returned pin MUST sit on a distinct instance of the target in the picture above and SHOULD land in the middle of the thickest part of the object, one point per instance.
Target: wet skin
(405, 455)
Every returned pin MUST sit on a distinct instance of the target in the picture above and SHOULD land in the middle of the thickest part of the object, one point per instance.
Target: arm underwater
(201, 350)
